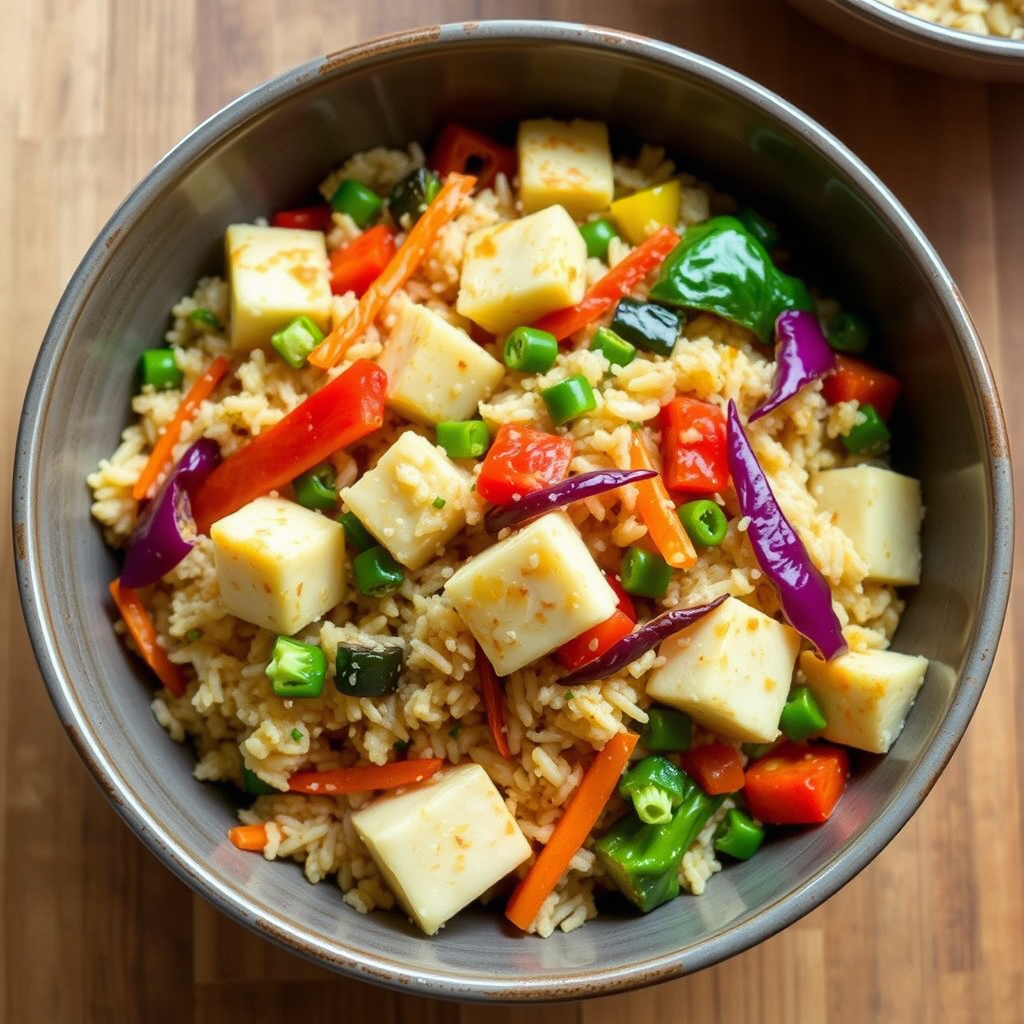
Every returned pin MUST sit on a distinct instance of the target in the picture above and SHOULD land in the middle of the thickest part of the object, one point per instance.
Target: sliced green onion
(205, 318)
(616, 350)
(368, 671)
(159, 369)
(297, 669)
(569, 398)
(667, 729)
(376, 572)
(296, 735)
(847, 332)
(648, 326)
(362, 204)
(645, 573)
(597, 235)
(738, 835)
(869, 437)
(758, 227)
(704, 521)
(463, 439)
(355, 533)
(294, 342)
(439, 502)
(801, 715)
(253, 784)
(317, 487)
(530, 351)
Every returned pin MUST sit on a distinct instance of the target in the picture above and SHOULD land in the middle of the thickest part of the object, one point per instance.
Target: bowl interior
(267, 151)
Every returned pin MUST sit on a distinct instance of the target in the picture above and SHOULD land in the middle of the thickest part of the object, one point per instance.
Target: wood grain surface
(94, 928)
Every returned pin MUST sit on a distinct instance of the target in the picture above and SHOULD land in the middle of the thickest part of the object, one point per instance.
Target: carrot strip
(572, 829)
(164, 447)
(619, 281)
(249, 837)
(143, 632)
(658, 511)
(493, 704)
(402, 266)
(363, 778)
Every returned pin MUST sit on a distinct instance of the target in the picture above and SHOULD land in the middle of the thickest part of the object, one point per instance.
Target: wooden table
(94, 928)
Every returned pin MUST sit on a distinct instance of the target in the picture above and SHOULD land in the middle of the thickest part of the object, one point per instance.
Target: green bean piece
(870, 437)
(376, 572)
(597, 236)
(294, 342)
(802, 715)
(158, 369)
(317, 488)
(667, 729)
(355, 533)
(645, 573)
(463, 439)
(847, 332)
(361, 203)
(530, 351)
(616, 350)
(569, 399)
(704, 521)
(738, 835)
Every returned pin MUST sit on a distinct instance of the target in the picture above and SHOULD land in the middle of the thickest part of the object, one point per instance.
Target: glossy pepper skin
(643, 860)
(720, 267)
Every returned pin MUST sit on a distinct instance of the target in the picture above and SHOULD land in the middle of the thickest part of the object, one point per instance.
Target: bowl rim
(572, 983)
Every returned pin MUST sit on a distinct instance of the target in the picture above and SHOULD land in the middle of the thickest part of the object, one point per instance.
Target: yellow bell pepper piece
(636, 216)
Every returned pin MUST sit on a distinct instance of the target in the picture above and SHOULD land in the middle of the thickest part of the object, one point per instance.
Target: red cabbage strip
(802, 355)
(803, 592)
(640, 641)
(586, 485)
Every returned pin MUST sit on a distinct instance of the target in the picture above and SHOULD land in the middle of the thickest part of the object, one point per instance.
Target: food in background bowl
(999, 18)
(438, 430)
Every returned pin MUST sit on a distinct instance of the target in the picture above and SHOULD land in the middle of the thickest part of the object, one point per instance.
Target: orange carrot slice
(658, 511)
(402, 266)
(572, 829)
(493, 704)
(249, 837)
(143, 632)
(364, 778)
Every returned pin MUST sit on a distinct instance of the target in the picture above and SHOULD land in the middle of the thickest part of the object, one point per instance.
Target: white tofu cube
(864, 695)
(279, 565)
(397, 500)
(565, 162)
(730, 671)
(442, 844)
(531, 592)
(435, 370)
(881, 512)
(276, 274)
(515, 272)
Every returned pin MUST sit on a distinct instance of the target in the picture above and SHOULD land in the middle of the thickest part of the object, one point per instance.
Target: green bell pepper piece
(720, 267)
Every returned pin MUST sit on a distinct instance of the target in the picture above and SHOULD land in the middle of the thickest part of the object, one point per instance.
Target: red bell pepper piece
(619, 281)
(522, 460)
(855, 380)
(340, 413)
(795, 785)
(307, 218)
(465, 151)
(493, 704)
(715, 766)
(356, 266)
(694, 457)
(592, 643)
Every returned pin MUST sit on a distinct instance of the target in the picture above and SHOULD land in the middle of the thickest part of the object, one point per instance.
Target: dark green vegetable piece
(413, 194)
(463, 439)
(597, 234)
(758, 227)
(297, 669)
(643, 860)
(667, 729)
(294, 342)
(355, 533)
(368, 671)
(362, 204)
(738, 835)
(869, 437)
(847, 332)
(569, 398)
(616, 350)
(376, 572)
(317, 487)
(656, 787)
(650, 327)
(720, 267)
(159, 369)
(296, 735)
(205, 318)
(705, 522)
(645, 573)
(254, 785)
(801, 715)
(530, 350)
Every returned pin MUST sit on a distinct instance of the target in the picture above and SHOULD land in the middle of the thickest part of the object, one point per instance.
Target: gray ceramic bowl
(912, 40)
(262, 153)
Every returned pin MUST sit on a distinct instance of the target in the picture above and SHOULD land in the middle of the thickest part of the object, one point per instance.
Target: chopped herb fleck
(439, 502)
(634, 425)
(454, 731)
(569, 695)
(297, 735)
(193, 635)
(204, 318)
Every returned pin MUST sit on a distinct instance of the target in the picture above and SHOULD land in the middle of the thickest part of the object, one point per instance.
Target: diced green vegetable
(616, 350)
(705, 522)
(159, 369)
(597, 235)
(801, 716)
(254, 785)
(650, 327)
(376, 572)
(193, 635)
(317, 488)
(667, 729)
(368, 671)
(738, 835)
(297, 669)
(463, 439)
(413, 194)
(869, 437)
(758, 227)
(205, 318)
(355, 533)
(847, 332)
(756, 750)
(362, 204)
(439, 502)
(294, 342)
(530, 351)
(645, 573)
(569, 398)
(296, 735)
(656, 787)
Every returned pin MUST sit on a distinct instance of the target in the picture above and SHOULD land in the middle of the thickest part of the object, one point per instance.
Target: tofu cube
(435, 370)
(443, 844)
(515, 272)
(881, 512)
(397, 500)
(531, 592)
(864, 695)
(279, 565)
(565, 162)
(276, 274)
(730, 671)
